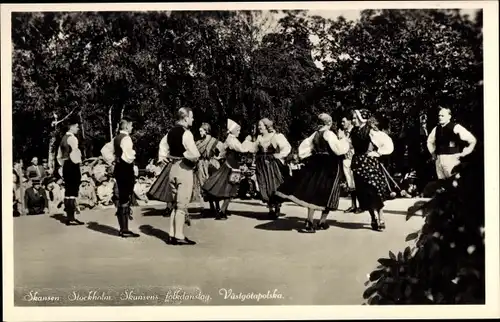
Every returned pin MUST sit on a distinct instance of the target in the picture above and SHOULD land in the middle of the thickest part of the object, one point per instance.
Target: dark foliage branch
(242, 65)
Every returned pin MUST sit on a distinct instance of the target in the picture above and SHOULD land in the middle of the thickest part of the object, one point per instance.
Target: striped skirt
(270, 173)
(316, 185)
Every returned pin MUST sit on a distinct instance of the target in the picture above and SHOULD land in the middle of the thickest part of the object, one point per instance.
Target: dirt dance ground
(246, 260)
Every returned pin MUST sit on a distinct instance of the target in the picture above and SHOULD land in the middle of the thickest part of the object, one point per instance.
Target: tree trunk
(84, 147)
(110, 123)
(52, 152)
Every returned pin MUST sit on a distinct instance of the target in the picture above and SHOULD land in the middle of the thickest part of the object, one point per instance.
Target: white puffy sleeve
(382, 141)
(431, 141)
(251, 146)
(108, 152)
(305, 147)
(234, 144)
(339, 147)
(284, 146)
(163, 150)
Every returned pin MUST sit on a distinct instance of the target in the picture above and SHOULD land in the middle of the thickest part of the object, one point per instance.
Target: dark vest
(174, 140)
(447, 141)
(117, 146)
(320, 145)
(65, 147)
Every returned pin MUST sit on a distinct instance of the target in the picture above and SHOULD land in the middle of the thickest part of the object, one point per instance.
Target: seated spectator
(55, 194)
(36, 199)
(87, 197)
(36, 170)
(105, 191)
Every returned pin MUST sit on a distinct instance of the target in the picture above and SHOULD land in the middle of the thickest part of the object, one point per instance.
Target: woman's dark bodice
(233, 158)
(320, 145)
(360, 139)
(266, 151)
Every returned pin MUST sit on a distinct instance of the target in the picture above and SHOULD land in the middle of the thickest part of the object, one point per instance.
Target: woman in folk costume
(224, 183)
(271, 149)
(211, 151)
(369, 144)
(316, 185)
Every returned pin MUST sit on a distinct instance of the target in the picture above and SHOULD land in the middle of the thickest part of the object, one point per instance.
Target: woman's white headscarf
(232, 125)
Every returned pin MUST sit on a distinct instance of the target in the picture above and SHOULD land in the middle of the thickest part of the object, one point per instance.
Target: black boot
(374, 223)
(309, 227)
(76, 221)
(125, 218)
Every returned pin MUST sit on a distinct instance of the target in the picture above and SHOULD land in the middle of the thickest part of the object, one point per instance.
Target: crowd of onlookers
(38, 189)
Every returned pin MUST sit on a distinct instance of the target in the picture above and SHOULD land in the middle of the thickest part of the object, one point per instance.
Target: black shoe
(358, 210)
(309, 228)
(273, 215)
(128, 233)
(350, 209)
(375, 225)
(382, 225)
(220, 216)
(322, 226)
(78, 222)
(185, 241)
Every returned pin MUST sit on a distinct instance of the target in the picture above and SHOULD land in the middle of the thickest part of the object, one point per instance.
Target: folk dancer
(179, 190)
(224, 183)
(346, 131)
(211, 152)
(158, 190)
(271, 149)
(445, 144)
(369, 144)
(121, 150)
(316, 186)
(69, 158)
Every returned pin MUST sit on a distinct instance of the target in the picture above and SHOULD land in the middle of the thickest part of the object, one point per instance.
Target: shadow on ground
(250, 214)
(162, 211)
(154, 232)
(296, 224)
(59, 217)
(104, 229)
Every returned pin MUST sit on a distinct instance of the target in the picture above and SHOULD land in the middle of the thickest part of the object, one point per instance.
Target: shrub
(446, 264)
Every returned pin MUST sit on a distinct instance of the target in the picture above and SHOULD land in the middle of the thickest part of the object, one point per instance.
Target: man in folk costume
(121, 149)
(69, 158)
(316, 186)
(445, 144)
(346, 162)
(182, 151)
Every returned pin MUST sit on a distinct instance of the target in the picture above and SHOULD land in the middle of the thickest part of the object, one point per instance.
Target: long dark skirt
(219, 187)
(159, 190)
(270, 173)
(370, 182)
(316, 185)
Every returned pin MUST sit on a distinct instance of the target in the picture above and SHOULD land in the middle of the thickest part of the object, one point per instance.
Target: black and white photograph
(215, 155)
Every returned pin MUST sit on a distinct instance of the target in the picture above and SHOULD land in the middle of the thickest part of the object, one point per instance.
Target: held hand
(248, 138)
(374, 154)
(341, 134)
